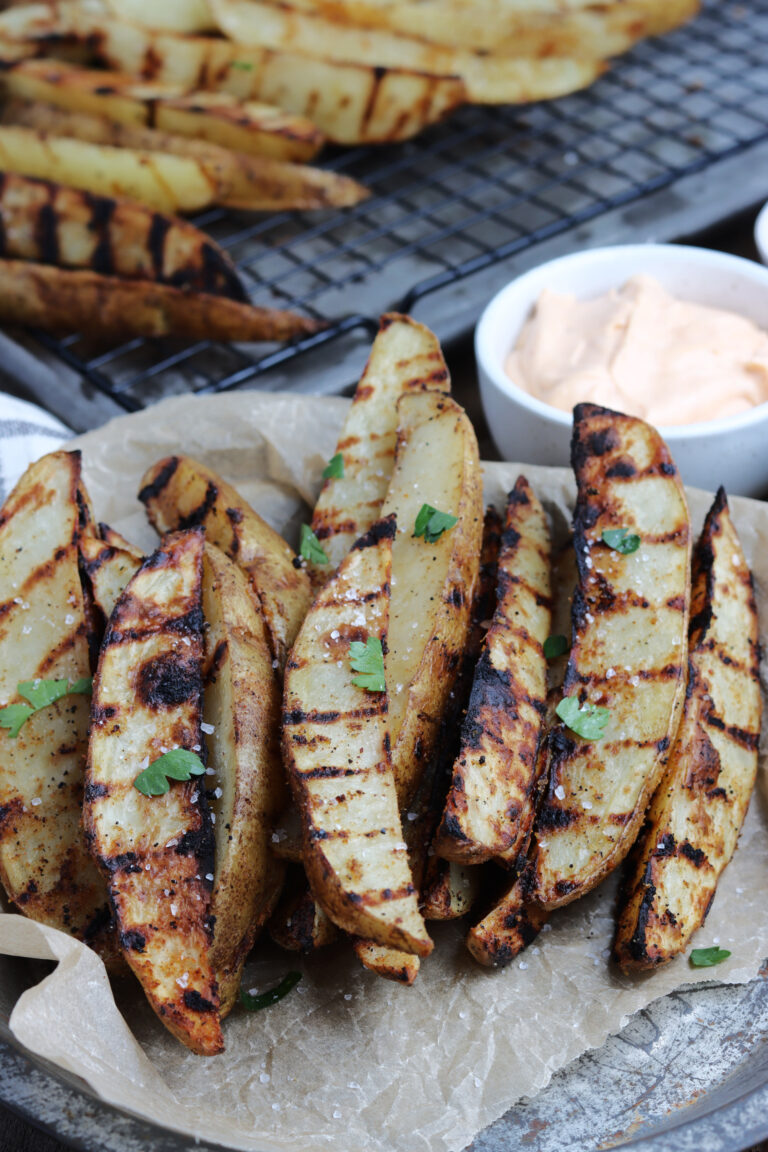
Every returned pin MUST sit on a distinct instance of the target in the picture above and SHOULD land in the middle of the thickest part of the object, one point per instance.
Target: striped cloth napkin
(26, 433)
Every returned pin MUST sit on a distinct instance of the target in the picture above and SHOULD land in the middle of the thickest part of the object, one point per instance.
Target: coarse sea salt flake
(560, 792)
(174, 909)
(209, 729)
(586, 804)
(36, 801)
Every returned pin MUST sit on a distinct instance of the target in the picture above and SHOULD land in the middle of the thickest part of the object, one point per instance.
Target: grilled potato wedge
(247, 126)
(179, 491)
(490, 806)
(695, 817)
(335, 747)
(164, 183)
(451, 891)
(348, 102)
(63, 300)
(630, 625)
(247, 183)
(45, 867)
(55, 224)
(116, 540)
(406, 357)
(174, 15)
(242, 707)
(389, 963)
(299, 923)
(155, 851)
(108, 568)
(487, 79)
(432, 583)
(509, 927)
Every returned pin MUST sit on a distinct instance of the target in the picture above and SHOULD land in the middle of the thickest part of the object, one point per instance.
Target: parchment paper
(349, 1061)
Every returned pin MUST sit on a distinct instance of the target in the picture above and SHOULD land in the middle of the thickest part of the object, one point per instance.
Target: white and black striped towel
(26, 433)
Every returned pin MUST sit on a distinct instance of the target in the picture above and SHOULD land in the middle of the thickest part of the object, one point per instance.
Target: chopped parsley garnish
(430, 523)
(555, 646)
(586, 720)
(368, 659)
(310, 547)
(707, 957)
(621, 540)
(40, 693)
(178, 764)
(265, 999)
(334, 469)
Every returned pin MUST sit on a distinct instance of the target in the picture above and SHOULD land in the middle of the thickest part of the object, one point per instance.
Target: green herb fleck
(555, 646)
(310, 547)
(368, 659)
(431, 524)
(242, 65)
(178, 764)
(334, 470)
(621, 540)
(707, 957)
(266, 999)
(586, 720)
(40, 693)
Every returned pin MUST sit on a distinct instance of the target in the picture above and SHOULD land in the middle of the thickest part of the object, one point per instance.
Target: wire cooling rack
(485, 186)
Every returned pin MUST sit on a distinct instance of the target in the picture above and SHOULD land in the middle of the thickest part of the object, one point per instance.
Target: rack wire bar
(486, 185)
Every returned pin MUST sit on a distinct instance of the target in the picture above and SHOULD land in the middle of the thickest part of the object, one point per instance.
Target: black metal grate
(485, 185)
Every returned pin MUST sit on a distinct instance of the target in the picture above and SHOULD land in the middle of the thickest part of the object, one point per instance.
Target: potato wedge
(242, 707)
(45, 866)
(350, 103)
(251, 183)
(509, 927)
(405, 357)
(390, 963)
(585, 31)
(155, 851)
(432, 583)
(490, 806)
(108, 568)
(173, 15)
(335, 730)
(164, 183)
(116, 540)
(63, 300)
(630, 624)
(487, 79)
(451, 891)
(55, 224)
(299, 923)
(179, 491)
(696, 814)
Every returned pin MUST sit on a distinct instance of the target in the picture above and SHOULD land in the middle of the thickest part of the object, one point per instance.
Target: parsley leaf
(241, 65)
(368, 659)
(586, 720)
(272, 995)
(707, 957)
(431, 524)
(178, 764)
(555, 646)
(40, 693)
(310, 547)
(334, 469)
(621, 540)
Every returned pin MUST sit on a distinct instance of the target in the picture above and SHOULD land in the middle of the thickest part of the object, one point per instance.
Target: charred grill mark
(101, 713)
(696, 856)
(159, 228)
(623, 469)
(551, 816)
(218, 658)
(198, 515)
(197, 1003)
(666, 846)
(703, 763)
(382, 530)
(133, 941)
(94, 791)
(155, 488)
(189, 624)
(219, 277)
(102, 210)
(637, 945)
(360, 598)
(46, 234)
(166, 682)
(748, 740)
(329, 773)
(298, 717)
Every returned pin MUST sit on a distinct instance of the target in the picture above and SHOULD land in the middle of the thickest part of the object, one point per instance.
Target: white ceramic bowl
(731, 451)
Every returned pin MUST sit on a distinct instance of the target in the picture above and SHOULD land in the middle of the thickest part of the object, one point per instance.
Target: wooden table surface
(17, 1136)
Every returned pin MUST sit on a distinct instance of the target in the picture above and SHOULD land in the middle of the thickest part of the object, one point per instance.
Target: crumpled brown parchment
(349, 1061)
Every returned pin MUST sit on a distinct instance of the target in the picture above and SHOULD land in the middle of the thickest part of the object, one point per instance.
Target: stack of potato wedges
(426, 712)
(223, 103)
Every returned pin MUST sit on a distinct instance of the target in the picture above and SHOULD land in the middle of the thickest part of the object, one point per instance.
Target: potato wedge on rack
(405, 357)
(696, 814)
(625, 680)
(490, 806)
(179, 491)
(487, 79)
(45, 866)
(433, 574)
(242, 716)
(55, 224)
(156, 850)
(336, 751)
(64, 300)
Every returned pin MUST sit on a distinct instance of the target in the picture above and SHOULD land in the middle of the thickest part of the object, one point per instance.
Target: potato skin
(694, 819)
